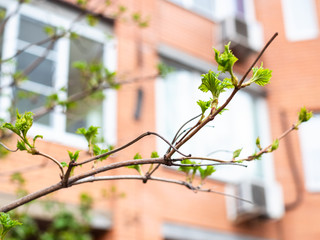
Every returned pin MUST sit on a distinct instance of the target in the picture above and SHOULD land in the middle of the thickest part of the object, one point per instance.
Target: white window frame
(309, 31)
(56, 132)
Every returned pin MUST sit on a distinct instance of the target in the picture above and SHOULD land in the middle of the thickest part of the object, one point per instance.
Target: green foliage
(96, 74)
(74, 156)
(137, 18)
(91, 20)
(49, 30)
(82, 3)
(236, 153)
(258, 143)
(90, 134)
(19, 76)
(211, 82)
(98, 151)
(154, 154)
(304, 115)
(204, 173)
(86, 202)
(21, 127)
(2, 14)
(204, 105)
(6, 224)
(164, 69)
(64, 226)
(225, 61)
(193, 167)
(274, 145)
(261, 76)
(136, 166)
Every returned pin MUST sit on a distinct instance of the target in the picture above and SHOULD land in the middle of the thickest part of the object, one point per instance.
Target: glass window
(300, 19)
(32, 93)
(204, 7)
(310, 145)
(89, 110)
(235, 128)
(49, 68)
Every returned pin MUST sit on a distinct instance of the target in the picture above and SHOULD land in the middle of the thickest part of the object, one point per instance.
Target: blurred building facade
(284, 186)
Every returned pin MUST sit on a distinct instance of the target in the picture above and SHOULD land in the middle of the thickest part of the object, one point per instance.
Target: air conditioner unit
(245, 37)
(265, 200)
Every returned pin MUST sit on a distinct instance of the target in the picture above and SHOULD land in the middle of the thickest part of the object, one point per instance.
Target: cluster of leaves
(21, 127)
(138, 167)
(96, 78)
(6, 224)
(211, 81)
(190, 168)
(65, 225)
(91, 135)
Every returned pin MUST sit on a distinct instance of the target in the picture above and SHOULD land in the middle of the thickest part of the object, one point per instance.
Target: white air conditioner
(266, 200)
(245, 37)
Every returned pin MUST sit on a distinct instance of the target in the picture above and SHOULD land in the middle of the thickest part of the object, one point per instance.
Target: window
(310, 145)
(56, 72)
(203, 7)
(238, 127)
(300, 19)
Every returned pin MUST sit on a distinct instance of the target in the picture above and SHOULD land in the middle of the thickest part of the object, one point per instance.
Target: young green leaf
(261, 76)
(49, 30)
(24, 122)
(304, 115)
(9, 126)
(91, 20)
(21, 145)
(210, 82)
(74, 156)
(236, 153)
(137, 166)
(258, 143)
(7, 224)
(64, 164)
(226, 60)
(186, 169)
(204, 173)
(90, 134)
(35, 138)
(154, 154)
(274, 145)
(204, 105)
(98, 151)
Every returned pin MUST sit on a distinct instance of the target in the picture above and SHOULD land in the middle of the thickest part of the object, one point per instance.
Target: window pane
(28, 101)
(88, 111)
(43, 73)
(32, 31)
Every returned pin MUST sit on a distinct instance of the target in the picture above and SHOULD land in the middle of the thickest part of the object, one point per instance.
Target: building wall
(146, 207)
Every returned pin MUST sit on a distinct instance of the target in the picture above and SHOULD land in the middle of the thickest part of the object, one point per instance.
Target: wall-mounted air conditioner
(245, 37)
(266, 201)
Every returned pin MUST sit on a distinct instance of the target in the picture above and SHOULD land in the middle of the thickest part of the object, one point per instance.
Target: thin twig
(137, 177)
(208, 164)
(52, 159)
(183, 125)
(8, 148)
(127, 145)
